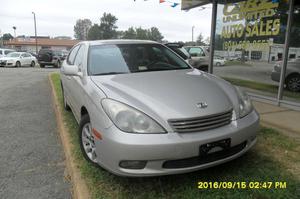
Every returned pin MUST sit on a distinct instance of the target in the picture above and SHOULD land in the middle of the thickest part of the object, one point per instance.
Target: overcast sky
(58, 17)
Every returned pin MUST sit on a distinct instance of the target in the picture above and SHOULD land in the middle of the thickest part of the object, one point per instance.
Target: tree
(200, 40)
(207, 41)
(129, 34)
(7, 37)
(94, 33)
(81, 29)
(154, 34)
(108, 26)
(143, 34)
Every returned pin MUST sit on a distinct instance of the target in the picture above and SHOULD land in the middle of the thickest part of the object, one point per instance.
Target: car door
(28, 59)
(76, 86)
(66, 80)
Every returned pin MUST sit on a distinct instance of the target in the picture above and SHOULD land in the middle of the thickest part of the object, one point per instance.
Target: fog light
(132, 164)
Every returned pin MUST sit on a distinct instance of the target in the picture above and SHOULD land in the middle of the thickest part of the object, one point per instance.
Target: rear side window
(71, 57)
(45, 51)
(196, 51)
(0, 52)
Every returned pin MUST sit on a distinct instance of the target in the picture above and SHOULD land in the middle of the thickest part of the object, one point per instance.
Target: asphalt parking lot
(258, 72)
(32, 160)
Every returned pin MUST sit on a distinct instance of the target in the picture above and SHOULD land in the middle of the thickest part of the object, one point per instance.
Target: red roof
(42, 42)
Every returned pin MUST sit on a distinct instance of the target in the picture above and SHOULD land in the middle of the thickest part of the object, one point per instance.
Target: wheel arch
(83, 111)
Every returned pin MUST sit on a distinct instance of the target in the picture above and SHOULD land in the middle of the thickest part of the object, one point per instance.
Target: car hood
(170, 94)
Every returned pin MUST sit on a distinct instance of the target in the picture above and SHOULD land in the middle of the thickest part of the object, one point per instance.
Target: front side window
(132, 58)
(79, 57)
(71, 57)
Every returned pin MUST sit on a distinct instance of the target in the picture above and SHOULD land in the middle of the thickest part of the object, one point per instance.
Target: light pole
(193, 34)
(36, 48)
(14, 27)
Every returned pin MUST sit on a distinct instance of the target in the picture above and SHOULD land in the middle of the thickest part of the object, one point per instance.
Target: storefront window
(250, 37)
(292, 77)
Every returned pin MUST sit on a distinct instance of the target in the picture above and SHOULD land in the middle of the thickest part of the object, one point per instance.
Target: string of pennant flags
(175, 4)
(172, 3)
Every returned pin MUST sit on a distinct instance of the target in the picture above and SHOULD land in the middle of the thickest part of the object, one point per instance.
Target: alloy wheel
(88, 142)
(294, 83)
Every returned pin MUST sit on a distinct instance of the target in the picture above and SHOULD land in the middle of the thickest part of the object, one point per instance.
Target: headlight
(245, 105)
(129, 119)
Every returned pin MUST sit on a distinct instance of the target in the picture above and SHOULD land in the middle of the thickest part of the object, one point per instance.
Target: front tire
(218, 64)
(18, 64)
(87, 140)
(42, 65)
(58, 64)
(293, 83)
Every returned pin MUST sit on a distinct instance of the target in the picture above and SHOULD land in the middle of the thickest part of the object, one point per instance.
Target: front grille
(197, 124)
(199, 160)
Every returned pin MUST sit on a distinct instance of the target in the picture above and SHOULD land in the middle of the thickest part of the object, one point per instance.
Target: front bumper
(157, 149)
(275, 76)
(52, 63)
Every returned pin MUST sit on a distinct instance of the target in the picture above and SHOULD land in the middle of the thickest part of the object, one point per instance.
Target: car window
(131, 58)
(79, 57)
(71, 57)
(0, 52)
(196, 51)
(13, 54)
(7, 51)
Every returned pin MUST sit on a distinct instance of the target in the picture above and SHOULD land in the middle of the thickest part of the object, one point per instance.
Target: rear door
(28, 58)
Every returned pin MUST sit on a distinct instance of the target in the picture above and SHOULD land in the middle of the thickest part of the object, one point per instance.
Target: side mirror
(71, 70)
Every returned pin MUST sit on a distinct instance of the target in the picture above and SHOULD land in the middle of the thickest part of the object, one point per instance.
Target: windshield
(132, 58)
(13, 55)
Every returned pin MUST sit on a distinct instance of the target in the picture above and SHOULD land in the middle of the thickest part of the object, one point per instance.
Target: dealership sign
(245, 21)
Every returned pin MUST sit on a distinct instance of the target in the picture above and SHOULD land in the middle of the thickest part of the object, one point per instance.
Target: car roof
(119, 41)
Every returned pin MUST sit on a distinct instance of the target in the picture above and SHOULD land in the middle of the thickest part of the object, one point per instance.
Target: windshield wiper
(110, 73)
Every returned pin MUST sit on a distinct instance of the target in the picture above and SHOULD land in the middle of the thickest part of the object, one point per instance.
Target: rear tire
(18, 64)
(42, 65)
(32, 64)
(293, 83)
(218, 64)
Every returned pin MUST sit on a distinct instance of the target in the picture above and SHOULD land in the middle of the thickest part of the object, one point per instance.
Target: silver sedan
(143, 111)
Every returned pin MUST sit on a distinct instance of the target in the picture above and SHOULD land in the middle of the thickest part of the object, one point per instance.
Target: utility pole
(36, 47)
(193, 34)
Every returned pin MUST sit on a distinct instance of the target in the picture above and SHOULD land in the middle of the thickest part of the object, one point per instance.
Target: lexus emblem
(202, 105)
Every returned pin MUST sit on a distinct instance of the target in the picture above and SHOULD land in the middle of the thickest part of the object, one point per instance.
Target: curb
(80, 190)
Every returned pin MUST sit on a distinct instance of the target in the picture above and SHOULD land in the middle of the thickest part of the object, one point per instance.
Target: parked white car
(18, 59)
(219, 61)
(4, 52)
